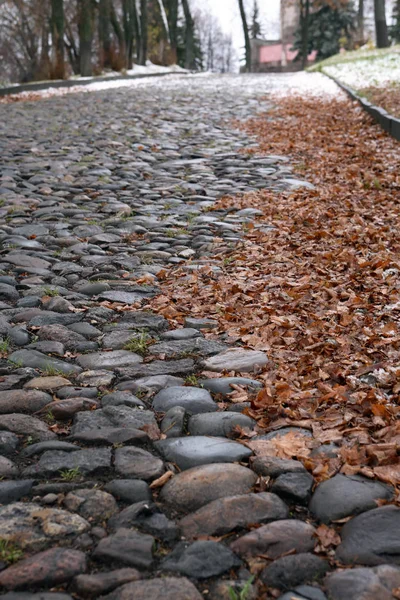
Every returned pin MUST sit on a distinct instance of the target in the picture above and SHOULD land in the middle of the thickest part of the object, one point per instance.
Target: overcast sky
(227, 12)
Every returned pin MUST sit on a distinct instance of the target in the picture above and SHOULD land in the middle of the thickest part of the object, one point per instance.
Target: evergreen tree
(326, 27)
(395, 29)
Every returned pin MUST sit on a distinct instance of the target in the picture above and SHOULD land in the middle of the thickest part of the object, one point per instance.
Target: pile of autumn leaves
(320, 292)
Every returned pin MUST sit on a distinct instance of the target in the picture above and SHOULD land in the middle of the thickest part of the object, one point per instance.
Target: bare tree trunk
(172, 14)
(143, 33)
(85, 37)
(360, 20)
(305, 18)
(117, 30)
(104, 33)
(57, 38)
(382, 37)
(189, 36)
(246, 36)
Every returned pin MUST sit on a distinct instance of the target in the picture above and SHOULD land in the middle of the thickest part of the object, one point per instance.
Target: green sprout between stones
(139, 343)
(245, 592)
(70, 474)
(192, 380)
(9, 552)
(51, 371)
(49, 291)
(4, 345)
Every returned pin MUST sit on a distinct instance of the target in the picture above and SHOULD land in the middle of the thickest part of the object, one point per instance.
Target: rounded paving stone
(289, 571)
(192, 451)
(195, 487)
(343, 496)
(167, 588)
(225, 514)
(48, 568)
(193, 400)
(200, 560)
(371, 538)
(275, 539)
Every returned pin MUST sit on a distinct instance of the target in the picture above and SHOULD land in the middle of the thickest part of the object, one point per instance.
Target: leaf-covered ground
(316, 285)
(387, 97)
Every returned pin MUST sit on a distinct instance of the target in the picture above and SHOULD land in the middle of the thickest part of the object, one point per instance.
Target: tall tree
(247, 44)
(395, 29)
(382, 36)
(171, 7)
(85, 28)
(142, 57)
(189, 36)
(57, 38)
(304, 26)
(104, 7)
(360, 21)
(255, 28)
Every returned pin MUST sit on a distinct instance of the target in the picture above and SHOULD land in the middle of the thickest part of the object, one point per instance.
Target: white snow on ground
(278, 84)
(359, 74)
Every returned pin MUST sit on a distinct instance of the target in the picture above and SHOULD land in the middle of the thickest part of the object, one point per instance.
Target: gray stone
(154, 383)
(200, 560)
(226, 514)
(41, 447)
(342, 496)
(93, 289)
(37, 360)
(23, 401)
(272, 466)
(98, 378)
(289, 571)
(126, 546)
(93, 505)
(129, 490)
(173, 422)
(194, 488)
(70, 339)
(35, 527)
(200, 450)
(219, 424)
(197, 345)
(109, 360)
(87, 462)
(294, 486)
(222, 385)
(306, 592)
(186, 333)
(145, 320)
(371, 538)
(50, 568)
(200, 324)
(9, 442)
(111, 435)
(276, 539)
(26, 425)
(137, 463)
(12, 491)
(121, 398)
(160, 367)
(363, 583)
(236, 359)
(193, 400)
(90, 586)
(77, 392)
(123, 297)
(148, 518)
(167, 588)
